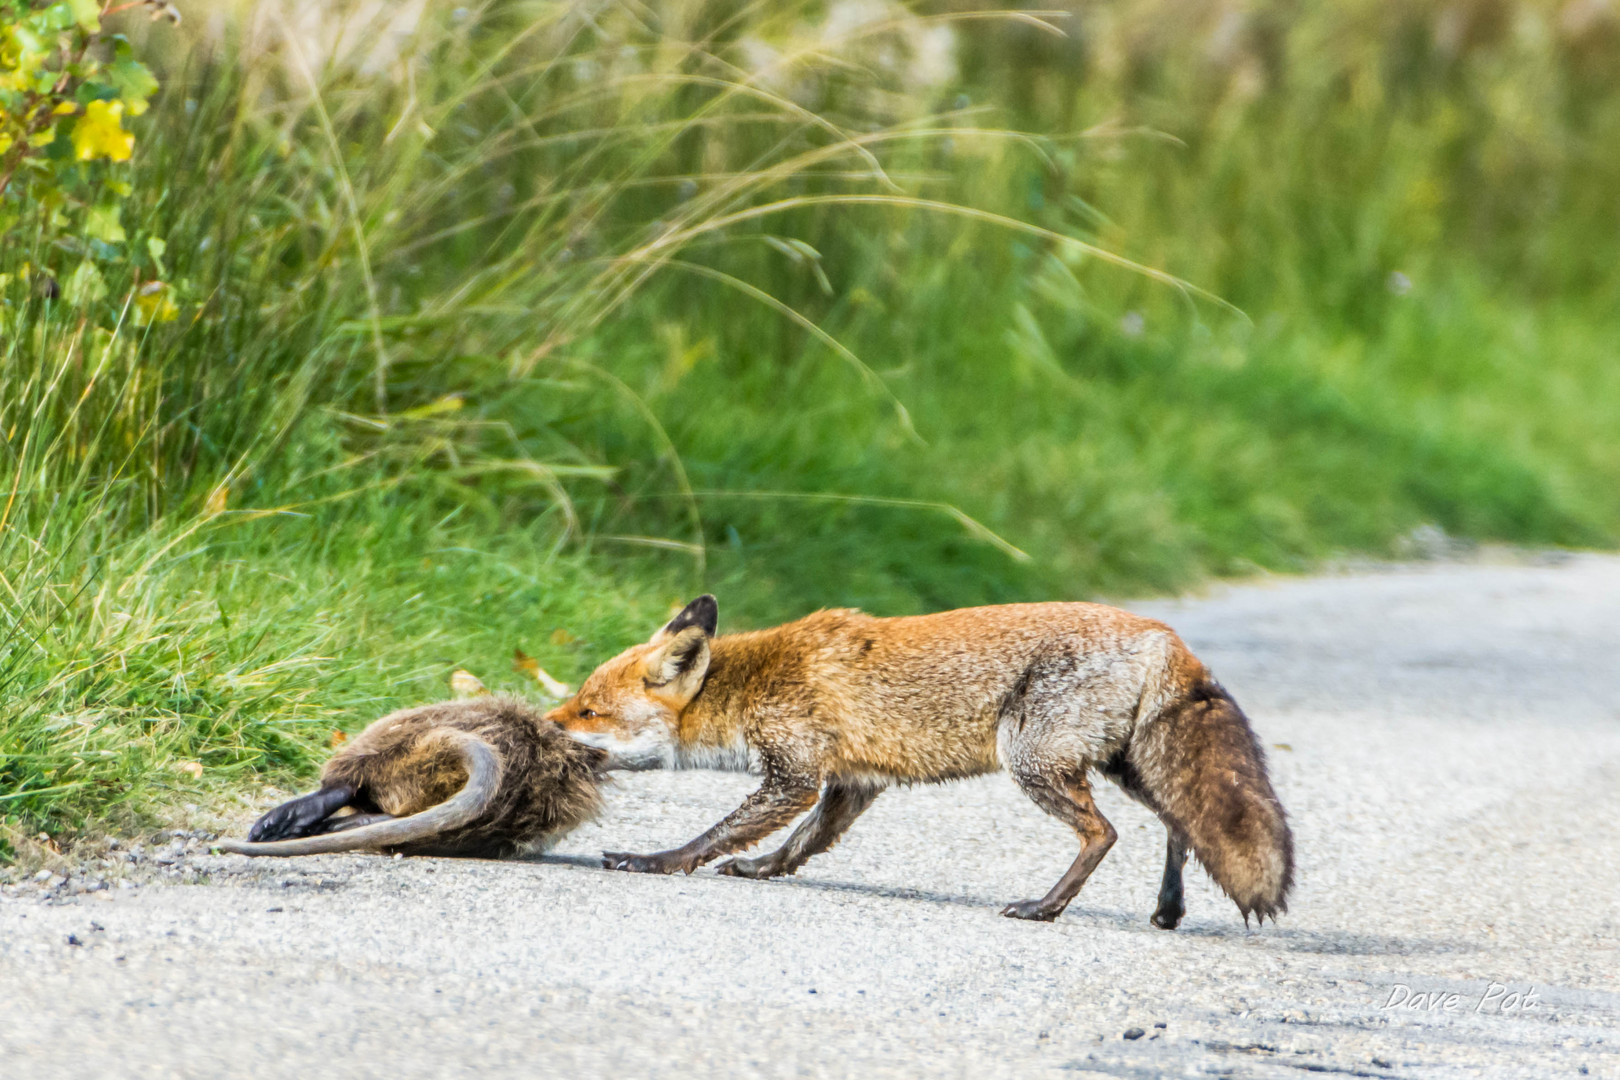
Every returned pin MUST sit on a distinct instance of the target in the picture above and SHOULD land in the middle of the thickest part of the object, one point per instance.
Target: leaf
(101, 222)
(85, 286)
(338, 738)
(447, 404)
(467, 685)
(133, 81)
(155, 303)
(192, 769)
(100, 133)
(87, 13)
(528, 665)
(156, 248)
(560, 636)
(216, 499)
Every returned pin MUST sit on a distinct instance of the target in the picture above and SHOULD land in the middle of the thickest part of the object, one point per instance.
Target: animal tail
(467, 805)
(1208, 780)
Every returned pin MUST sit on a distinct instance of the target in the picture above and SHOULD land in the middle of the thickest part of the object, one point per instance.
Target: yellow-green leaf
(134, 82)
(100, 133)
(155, 303)
(87, 13)
(85, 286)
(464, 684)
(102, 223)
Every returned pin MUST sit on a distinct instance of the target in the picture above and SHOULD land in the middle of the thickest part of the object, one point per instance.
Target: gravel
(1446, 738)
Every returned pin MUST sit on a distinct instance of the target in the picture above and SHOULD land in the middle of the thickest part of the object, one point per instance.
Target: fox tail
(1202, 769)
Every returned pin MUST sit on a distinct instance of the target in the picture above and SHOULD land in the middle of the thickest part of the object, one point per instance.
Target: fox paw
(1032, 910)
(748, 868)
(664, 862)
(1167, 918)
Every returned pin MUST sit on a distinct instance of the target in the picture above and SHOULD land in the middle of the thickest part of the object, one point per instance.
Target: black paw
(298, 817)
(1167, 918)
(1033, 910)
(664, 862)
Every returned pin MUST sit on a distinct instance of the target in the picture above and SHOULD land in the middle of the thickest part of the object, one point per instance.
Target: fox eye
(586, 714)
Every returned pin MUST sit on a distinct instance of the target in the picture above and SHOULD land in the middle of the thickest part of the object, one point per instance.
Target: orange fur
(842, 700)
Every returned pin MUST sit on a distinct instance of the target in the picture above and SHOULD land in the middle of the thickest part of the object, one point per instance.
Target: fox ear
(703, 612)
(677, 667)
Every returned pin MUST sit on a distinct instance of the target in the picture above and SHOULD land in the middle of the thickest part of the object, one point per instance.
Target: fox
(486, 778)
(837, 706)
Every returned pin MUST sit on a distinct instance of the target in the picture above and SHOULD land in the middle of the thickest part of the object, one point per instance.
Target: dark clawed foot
(664, 862)
(300, 816)
(1032, 910)
(290, 820)
(1167, 918)
(756, 869)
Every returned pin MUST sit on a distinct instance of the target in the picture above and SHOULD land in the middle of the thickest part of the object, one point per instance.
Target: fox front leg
(778, 801)
(840, 805)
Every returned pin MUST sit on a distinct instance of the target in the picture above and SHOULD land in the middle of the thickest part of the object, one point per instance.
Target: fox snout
(633, 739)
(649, 748)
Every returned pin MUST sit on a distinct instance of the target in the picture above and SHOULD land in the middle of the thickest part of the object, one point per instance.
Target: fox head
(631, 705)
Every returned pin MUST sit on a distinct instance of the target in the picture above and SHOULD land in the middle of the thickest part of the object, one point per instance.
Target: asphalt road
(1447, 743)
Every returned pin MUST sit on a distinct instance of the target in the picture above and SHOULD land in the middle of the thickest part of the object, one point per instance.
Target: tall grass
(505, 324)
(393, 282)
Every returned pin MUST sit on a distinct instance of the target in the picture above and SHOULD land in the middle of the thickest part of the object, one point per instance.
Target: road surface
(1445, 737)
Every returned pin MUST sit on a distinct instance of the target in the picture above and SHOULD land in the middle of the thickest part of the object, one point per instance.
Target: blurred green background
(508, 324)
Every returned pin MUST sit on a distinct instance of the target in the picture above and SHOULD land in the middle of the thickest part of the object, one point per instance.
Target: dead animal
(485, 778)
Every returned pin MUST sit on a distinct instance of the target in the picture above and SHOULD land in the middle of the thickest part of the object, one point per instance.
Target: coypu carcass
(485, 778)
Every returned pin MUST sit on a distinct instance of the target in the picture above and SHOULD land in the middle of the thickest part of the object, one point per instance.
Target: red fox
(835, 707)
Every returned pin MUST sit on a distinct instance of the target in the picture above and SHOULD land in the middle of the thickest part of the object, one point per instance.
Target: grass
(514, 338)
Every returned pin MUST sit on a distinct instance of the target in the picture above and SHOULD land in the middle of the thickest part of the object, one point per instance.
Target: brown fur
(1212, 790)
(411, 761)
(852, 702)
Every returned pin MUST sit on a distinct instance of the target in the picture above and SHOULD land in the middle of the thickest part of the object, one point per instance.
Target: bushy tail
(462, 808)
(1208, 779)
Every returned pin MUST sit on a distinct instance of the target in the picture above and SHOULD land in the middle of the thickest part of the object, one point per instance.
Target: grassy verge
(512, 335)
(174, 676)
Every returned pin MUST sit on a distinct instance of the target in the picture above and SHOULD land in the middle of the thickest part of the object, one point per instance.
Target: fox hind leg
(840, 805)
(1167, 916)
(1067, 798)
(1171, 907)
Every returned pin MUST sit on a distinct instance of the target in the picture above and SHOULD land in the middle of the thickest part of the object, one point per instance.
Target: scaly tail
(1205, 773)
(465, 806)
